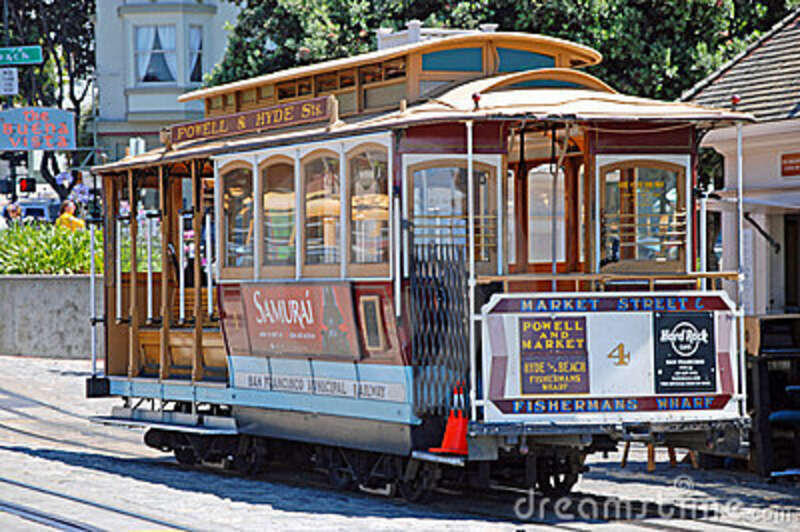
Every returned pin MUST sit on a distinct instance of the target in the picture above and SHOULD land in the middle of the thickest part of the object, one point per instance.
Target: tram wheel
(340, 473)
(411, 490)
(556, 484)
(186, 456)
(414, 489)
(249, 463)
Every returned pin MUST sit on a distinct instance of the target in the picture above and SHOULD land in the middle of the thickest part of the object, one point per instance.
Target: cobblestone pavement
(55, 461)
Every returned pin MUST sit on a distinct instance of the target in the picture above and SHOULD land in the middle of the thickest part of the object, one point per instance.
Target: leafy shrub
(47, 249)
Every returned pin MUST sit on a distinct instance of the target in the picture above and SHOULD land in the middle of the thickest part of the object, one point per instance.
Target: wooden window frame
(317, 271)
(488, 267)
(233, 272)
(648, 266)
(276, 271)
(373, 269)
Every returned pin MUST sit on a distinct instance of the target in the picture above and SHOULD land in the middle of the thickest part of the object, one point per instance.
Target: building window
(237, 207)
(322, 222)
(195, 54)
(155, 54)
(369, 207)
(278, 202)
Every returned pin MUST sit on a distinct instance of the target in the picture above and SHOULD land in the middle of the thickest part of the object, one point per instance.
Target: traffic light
(6, 185)
(27, 184)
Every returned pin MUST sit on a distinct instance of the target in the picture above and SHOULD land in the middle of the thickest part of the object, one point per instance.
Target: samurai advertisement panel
(605, 358)
(301, 340)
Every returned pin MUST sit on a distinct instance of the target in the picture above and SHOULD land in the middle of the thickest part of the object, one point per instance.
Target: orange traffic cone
(455, 434)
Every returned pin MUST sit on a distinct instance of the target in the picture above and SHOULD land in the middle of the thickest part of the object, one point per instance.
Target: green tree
(654, 48)
(65, 31)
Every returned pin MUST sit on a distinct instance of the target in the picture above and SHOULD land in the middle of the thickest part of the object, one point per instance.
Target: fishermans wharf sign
(284, 115)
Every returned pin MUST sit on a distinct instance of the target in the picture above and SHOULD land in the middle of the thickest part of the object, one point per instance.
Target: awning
(784, 198)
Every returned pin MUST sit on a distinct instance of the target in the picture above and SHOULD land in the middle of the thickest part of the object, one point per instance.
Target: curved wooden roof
(572, 54)
(548, 78)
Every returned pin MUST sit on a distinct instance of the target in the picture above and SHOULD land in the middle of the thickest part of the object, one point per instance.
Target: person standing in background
(67, 218)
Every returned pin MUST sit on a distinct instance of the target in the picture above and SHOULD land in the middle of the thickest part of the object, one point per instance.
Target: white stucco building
(148, 53)
(766, 81)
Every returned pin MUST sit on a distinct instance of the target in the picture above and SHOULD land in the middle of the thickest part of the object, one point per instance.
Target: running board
(170, 421)
(425, 456)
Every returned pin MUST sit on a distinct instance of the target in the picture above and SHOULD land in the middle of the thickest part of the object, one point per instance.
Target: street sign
(21, 55)
(9, 82)
(37, 128)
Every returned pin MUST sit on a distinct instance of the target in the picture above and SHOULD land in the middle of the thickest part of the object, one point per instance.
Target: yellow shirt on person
(71, 222)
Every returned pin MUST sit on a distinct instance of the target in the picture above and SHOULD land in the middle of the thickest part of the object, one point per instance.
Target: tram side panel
(321, 363)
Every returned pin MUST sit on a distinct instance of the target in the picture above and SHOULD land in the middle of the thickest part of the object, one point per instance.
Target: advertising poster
(553, 355)
(685, 353)
(233, 320)
(301, 319)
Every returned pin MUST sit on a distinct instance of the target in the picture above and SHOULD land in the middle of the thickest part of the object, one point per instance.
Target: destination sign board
(284, 115)
(602, 356)
(37, 128)
(20, 55)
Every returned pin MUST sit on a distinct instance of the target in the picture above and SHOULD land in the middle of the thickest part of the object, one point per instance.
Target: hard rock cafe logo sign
(684, 338)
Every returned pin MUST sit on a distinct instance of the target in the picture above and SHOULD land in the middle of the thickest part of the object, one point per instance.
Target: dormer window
(155, 54)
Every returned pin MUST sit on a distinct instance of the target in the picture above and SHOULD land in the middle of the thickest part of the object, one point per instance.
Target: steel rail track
(45, 518)
(32, 514)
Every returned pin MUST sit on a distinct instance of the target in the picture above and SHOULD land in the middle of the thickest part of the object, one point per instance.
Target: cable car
(461, 260)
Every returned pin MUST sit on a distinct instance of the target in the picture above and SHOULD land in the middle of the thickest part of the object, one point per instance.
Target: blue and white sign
(37, 128)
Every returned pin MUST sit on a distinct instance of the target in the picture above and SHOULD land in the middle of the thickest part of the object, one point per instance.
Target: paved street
(56, 462)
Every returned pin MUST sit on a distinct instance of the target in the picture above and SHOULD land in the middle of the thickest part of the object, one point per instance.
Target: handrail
(606, 277)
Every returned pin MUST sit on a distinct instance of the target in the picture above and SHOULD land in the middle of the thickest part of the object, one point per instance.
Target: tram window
(322, 222)
(643, 217)
(279, 213)
(347, 78)
(146, 202)
(440, 209)
(237, 204)
(369, 207)
(327, 83)
(304, 87)
(540, 215)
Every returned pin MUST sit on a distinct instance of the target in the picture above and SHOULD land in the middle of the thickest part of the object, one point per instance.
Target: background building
(766, 80)
(148, 53)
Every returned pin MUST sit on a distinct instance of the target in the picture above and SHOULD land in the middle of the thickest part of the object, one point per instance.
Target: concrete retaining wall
(47, 315)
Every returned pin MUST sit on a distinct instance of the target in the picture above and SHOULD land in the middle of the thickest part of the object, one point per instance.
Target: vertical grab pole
(398, 274)
(554, 168)
(118, 267)
(92, 309)
(149, 237)
(740, 264)
(209, 281)
(181, 272)
(703, 227)
(471, 283)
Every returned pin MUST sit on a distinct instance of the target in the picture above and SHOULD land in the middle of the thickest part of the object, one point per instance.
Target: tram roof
(576, 55)
(508, 97)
